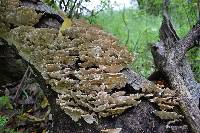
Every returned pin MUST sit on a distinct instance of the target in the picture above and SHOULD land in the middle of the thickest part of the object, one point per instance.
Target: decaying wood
(136, 81)
(169, 57)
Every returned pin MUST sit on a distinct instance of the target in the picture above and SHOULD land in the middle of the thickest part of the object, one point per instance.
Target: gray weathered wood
(169, 58)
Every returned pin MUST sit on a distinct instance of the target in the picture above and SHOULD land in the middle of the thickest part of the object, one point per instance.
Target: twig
(60, 3)
(198, 4)
(26, 74)
(72, 9)
(126, 25)
(66, 5)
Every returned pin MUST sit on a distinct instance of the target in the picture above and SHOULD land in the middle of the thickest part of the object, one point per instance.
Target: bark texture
(170, 59)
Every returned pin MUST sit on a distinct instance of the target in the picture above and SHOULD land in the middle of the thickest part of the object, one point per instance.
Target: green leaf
(3, 121)
(5, 103)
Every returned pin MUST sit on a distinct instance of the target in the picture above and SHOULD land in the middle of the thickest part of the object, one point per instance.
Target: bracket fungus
(83, 64)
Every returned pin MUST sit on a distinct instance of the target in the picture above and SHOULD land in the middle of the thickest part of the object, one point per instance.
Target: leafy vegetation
(153, 7)
(25, 111)
(5, 103)
(3, 121)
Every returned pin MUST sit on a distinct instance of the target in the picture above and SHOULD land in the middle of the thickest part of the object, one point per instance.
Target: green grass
(144, 31)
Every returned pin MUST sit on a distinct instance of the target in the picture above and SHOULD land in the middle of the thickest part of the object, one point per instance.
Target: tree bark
(170, 59)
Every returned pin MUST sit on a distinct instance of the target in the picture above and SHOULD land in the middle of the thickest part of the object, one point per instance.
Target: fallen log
(138, 118)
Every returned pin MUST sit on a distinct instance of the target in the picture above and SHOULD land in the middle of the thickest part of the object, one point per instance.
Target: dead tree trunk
(170, 59)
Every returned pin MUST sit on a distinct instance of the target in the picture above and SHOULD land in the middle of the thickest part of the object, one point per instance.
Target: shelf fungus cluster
(167, 101)
(83, 66)
(164, 97)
